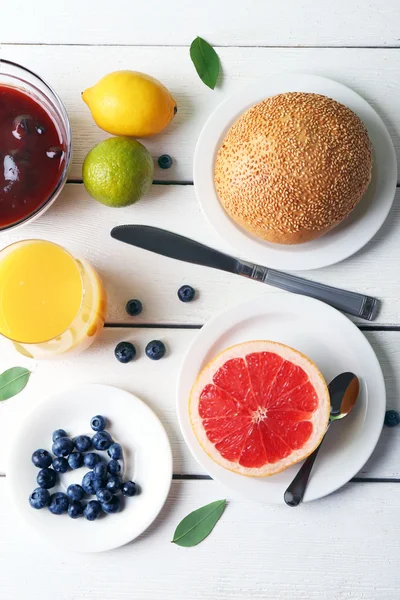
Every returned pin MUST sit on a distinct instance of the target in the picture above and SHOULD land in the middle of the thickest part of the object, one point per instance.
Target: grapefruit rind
(319, 418)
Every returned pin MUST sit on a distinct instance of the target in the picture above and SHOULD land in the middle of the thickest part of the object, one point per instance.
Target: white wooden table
(346, 546)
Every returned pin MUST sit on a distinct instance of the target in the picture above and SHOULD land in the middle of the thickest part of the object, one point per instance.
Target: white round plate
(148, 461)
(341, 242)
(336, 345)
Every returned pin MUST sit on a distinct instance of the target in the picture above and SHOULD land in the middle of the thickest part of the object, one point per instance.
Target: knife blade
(181, 248)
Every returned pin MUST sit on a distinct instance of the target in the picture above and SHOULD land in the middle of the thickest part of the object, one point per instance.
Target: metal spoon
(343, 391)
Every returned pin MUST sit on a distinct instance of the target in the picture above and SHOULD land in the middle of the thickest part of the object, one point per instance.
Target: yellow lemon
(130, 103)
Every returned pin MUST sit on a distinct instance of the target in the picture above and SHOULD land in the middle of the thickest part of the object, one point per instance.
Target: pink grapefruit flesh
(259, 407)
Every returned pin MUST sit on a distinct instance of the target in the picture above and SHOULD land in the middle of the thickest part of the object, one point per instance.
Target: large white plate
(341, 242)
(336, 345)
(148, 461)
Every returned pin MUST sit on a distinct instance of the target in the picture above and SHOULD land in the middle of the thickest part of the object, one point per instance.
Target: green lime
(118, 171)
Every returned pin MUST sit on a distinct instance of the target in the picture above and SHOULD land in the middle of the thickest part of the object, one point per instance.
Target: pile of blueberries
(103, 480)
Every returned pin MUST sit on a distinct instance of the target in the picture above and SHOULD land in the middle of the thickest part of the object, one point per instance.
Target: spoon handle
(295, 492)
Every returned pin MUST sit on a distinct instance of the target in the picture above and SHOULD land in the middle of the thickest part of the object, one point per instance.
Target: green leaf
(206, 61)
(198, 524)
(13, 381)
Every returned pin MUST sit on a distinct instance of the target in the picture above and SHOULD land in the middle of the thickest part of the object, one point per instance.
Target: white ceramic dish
(148, 461)
(336, 345)
(344, 240)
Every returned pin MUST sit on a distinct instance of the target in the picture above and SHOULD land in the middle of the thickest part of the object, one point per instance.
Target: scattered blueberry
(60, 464)
(39, 498)
(100, 470)
(115, 451)
(392, 418)
(46, 478)
(98, 423)
(165, 161)
(58, 503)
(113, 506)
(75, 460)
(75, 492)
(75, 509)
(114, 484)
(155, 350)
(41, 459)
(133, 307)
(63, 446)
(40, 130)
(88, 483)
(92, 510)
(114, 467)
(186, 293)
(102, 440)
(58, 433)
(129, 488)
(125, 352)
(91, 460)
(83, 443)
(104, 495)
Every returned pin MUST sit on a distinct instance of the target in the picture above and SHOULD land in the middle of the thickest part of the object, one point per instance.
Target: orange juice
(50, 302)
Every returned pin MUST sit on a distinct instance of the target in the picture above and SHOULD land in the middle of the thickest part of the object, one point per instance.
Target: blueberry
(114, 484)
(75, 492)
(114, 467)
(115, 451)
(104, 495)
(63, 446)
(41, 459)
(392, 418)
(155, 350)
(129, 488)
(111, 507)
(91, 460)
(92, 510)
(58, 433)
(100, 470)
(98, 423)
(58, 503)
(39, 498)
(21, 126)
(186, 293)
(88, 483)
(75, 460)
(98, 482)
(75, 509)
(40, 130)
(60, 465)
(125, 352)
(83, 443)
(102, 440)
(165, 161)
(133, 307)
(46, 478)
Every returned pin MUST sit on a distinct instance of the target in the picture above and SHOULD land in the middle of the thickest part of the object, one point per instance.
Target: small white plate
(341, 242)
(335, 344)
(148, 461)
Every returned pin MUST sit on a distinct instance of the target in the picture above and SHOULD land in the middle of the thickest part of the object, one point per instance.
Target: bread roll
(293, 167)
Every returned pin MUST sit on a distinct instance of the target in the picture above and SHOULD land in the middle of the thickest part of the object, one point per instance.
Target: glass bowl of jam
(35, 145)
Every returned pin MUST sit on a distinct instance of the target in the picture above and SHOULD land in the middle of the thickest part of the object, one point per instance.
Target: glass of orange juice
(51, 304)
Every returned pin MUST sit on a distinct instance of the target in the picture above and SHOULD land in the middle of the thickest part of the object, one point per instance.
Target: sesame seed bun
(293, 167)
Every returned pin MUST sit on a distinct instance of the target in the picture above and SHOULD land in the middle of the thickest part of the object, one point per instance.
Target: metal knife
(176, 246)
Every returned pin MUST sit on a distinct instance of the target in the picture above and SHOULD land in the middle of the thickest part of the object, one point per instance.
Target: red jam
(32, 156)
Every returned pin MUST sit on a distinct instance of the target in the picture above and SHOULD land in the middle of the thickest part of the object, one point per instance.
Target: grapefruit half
(259, 407)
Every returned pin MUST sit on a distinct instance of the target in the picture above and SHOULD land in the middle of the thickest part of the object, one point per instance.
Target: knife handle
(352, 303)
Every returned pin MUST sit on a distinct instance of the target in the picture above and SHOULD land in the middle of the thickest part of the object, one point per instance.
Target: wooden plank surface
(374, 73)
(254, 23)
(345, 547)
(82, 225)
(155, 383)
